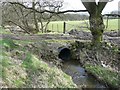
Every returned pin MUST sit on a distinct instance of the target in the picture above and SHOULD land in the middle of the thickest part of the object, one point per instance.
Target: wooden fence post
(52, 27)
(57, 28)
(64, 27)
(0, 14)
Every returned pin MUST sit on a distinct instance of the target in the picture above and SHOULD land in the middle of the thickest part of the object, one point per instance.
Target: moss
(109, 76)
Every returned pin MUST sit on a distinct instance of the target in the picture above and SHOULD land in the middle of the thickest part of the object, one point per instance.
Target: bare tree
(46, 9)
(36, 8)
(18, 17)
(45, 18)
(34, 15)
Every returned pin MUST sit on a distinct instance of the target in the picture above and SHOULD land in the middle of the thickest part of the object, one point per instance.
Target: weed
(111, 77)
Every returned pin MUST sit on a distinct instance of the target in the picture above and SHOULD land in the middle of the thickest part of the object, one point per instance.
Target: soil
(111, 37)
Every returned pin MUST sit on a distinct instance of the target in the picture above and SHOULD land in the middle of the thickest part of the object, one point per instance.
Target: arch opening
(64, 54)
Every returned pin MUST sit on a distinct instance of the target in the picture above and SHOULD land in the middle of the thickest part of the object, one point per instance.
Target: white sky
(77, 5)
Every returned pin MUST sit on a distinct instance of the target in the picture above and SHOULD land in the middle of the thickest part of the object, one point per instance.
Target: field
(57, 26)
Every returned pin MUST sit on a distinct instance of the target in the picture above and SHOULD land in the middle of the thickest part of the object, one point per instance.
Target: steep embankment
(22, 66)
(101, 61)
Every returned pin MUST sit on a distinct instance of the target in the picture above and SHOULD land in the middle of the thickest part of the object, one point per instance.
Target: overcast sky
(77, 5)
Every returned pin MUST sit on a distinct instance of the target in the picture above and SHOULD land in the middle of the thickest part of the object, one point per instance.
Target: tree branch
(102, 4)
(59, 12)
(90, 6)
(19, 26)
(28, 13)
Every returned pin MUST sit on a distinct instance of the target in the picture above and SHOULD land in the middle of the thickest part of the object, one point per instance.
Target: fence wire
(58, 26)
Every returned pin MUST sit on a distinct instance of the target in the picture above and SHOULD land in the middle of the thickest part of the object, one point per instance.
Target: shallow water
(79, 76)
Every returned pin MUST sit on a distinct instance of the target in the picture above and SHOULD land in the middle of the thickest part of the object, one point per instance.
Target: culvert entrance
(72, 68)
(64, 53)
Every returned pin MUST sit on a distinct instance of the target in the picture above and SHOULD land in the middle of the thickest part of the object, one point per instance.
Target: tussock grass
(104, 74)
(29, 71)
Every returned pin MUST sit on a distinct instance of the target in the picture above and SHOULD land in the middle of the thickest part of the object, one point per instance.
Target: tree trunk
(36, 23)
(35, 19)
(41, 26)
(96, 27)
(95, 20)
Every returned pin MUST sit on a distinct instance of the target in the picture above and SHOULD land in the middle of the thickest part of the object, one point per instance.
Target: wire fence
(66, 26)
(62, 27)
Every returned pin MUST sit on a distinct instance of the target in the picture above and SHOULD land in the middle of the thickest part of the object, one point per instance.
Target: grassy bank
(107, 76)
(101, 61)
(22, 68)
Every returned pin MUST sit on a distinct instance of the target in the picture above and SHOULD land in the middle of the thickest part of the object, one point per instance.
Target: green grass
(32, 63)
(8, 43)
(24, 42)
(51, 75)
(59, 41)
(4, 31)
(109, 76)
(112, 24)
(57, 26)
(12, 74)
(30, 71)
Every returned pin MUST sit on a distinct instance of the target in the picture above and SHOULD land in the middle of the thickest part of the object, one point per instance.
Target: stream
(80, 76)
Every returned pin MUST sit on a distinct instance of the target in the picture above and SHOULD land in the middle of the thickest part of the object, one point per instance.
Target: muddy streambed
(80, 76)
